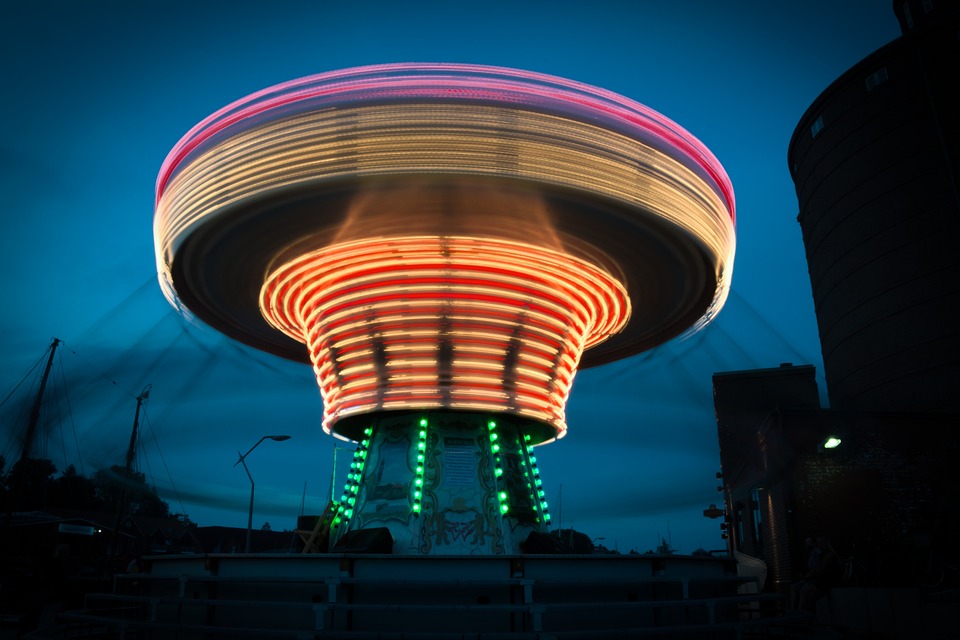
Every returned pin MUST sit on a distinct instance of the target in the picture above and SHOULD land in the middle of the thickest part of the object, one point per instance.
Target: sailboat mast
(17, 484)
(128, 467)
(132, 447)
(31, 431)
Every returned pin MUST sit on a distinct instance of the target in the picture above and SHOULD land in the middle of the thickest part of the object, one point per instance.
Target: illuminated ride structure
(450, 243)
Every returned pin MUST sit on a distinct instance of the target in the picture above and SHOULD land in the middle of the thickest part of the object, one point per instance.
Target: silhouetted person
(810, 569)
(826, 576)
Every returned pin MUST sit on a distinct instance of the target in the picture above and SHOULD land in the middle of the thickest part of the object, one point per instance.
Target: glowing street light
(832, 442)
(241, 461)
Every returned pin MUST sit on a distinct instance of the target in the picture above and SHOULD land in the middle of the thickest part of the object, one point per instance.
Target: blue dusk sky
(96, 93)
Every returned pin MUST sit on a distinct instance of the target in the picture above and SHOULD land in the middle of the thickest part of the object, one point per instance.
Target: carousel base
(440, 483)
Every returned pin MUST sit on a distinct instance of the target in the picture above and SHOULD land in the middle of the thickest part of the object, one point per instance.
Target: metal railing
(185, 606)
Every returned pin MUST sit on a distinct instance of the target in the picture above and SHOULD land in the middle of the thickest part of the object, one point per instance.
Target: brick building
(888, 489)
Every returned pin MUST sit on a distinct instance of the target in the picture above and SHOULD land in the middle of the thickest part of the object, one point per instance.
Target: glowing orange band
(453, 322)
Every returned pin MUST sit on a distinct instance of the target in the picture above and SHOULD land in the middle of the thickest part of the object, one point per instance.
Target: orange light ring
(454, 322)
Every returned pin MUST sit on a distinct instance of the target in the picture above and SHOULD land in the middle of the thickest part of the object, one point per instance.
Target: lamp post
(241, 461)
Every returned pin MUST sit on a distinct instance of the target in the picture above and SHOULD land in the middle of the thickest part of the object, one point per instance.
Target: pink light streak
(456, 82)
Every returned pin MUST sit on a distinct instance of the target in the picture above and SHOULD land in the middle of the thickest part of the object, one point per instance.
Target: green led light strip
(497, 466)
(418, 475)
(352, 490)
(531, 461)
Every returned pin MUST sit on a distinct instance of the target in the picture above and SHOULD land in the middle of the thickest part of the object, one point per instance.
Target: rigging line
(186, 330)
(149, 370)
(173, 485)
(9, 449)
(115, 311)
(15, 443)
(721, 331)
(143, 341)
(628, 367)
(254, 356)
(25, 376)
(602, 375)
(142, 454)
(769, 325)
(693, 383)
(151, 486)
(138, 447)
(59, 418)
(191, 382)
(718, 359)
(613, 371)
(73, 424)
(43, 417)
(102, 374)
(225, 346)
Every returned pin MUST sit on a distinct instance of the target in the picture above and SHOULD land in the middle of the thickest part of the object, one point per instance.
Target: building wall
(890, 486)
(888, 491)
(745, 401)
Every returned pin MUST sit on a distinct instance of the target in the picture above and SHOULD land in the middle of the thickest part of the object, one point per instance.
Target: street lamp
(241, 461)
(832, 442)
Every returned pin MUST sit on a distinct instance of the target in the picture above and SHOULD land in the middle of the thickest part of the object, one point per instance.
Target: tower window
(876, 78)
(816, 127)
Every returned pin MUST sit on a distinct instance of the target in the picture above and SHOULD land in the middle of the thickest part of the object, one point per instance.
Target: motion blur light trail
(463, 323)
(450, 241)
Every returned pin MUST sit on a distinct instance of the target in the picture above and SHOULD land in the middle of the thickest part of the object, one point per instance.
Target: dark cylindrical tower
(875, 162)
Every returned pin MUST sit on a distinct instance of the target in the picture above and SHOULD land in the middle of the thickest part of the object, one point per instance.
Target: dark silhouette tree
(31, 485)
(75, 491)
(129, 491)
(30, 482)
